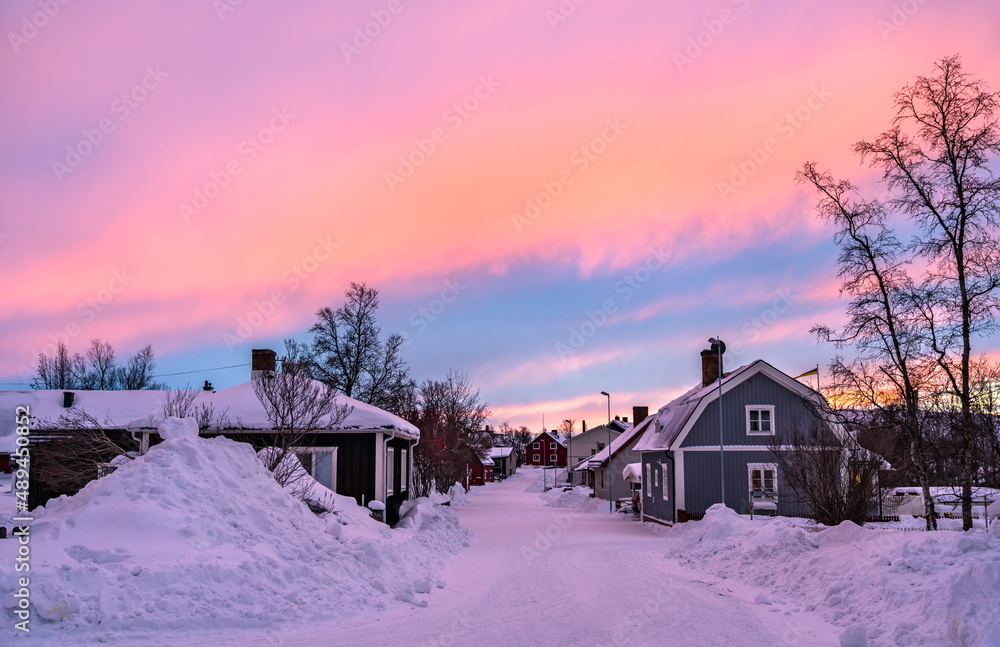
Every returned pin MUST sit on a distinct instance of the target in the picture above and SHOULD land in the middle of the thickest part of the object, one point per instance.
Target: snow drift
(198, 530)
(884, 587)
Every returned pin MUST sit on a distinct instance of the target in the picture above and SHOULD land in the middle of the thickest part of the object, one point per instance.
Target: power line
(202, 370)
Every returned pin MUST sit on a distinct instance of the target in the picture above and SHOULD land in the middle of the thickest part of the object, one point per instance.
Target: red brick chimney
(639, 414)
(262, 359)
(710, 368)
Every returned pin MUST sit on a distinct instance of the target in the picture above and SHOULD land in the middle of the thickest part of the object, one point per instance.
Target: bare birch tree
(936, 161)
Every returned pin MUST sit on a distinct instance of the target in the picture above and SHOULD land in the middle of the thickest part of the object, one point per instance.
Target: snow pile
(197, 530)
(177, 428)
(578, 497)
(457, 495)
(547, 480)
(883, 587)
(993, 512)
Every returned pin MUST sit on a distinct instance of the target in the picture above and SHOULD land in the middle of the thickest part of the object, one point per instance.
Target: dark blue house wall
(790, 412)
(653, 503)
(703, 487)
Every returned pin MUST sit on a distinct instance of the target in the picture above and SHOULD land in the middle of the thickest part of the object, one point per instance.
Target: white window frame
(649, 480)
(404, 472)
(760, 407)
(773, 467)
(552, 444)
(312, 467)
(554, 458)
(665, 482)
(536, 445)
(390, 477)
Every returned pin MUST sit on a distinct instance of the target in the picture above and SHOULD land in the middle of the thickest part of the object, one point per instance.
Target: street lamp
(719, 345)
(611, 503)
(569, 452)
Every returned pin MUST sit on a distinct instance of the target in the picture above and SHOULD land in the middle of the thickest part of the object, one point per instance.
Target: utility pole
(611, 499)
(721, 347)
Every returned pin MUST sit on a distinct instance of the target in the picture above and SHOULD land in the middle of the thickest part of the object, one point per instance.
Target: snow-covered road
(550, 576)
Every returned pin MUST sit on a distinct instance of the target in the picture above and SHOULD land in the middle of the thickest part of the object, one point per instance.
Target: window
(404, 464)
(763, 481)
(552, 445)
(600, 446)
(649, 479)
(666, 487)
(390, 466)
(552, 457)
(536, 445)
(320, 463)
(760, 419)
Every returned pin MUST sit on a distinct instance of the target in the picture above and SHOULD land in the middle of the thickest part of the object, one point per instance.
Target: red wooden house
(547, 448)
(481, 471)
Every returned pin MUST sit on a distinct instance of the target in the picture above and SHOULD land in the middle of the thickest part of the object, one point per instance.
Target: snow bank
(883, 587)
(578, 497)
(177, 428)
(546, 479)
(993, 512)
(457, 495)
(197, 530)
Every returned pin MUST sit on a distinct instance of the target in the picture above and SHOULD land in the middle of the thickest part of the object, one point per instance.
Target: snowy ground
(537, 575)
(555, 568)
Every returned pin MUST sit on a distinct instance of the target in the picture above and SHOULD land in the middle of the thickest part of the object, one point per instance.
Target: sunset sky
(559, 198)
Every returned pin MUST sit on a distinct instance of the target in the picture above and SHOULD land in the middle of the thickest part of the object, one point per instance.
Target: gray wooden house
(681, 445)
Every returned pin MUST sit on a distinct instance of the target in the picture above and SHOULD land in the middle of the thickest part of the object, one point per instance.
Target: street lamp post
(611, 501)
(569, 453)
(720, 346)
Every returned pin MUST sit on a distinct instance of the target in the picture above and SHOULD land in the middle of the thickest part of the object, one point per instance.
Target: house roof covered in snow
(671, 421)
(554, 435)
(617, 445)
(633, 473)
(500, 452)
(144, 410)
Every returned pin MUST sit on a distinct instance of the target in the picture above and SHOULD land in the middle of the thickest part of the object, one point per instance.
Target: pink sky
(314, 193)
